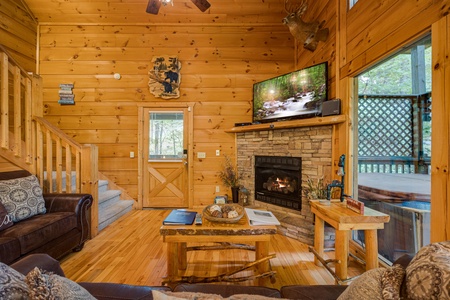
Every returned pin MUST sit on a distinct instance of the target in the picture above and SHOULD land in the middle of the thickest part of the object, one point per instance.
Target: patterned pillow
(22, 197)
(44, 285)
(428, 274)
(391, 282)
(368, 286)
(12, 285)
(5, 219)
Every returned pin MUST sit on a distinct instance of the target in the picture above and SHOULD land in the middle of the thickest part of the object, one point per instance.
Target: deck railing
(32, 143)
(391, 135)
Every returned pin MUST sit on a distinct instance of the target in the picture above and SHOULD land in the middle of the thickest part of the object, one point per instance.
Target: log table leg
(341, 250)
(172, 260)
(262, 250)
(319, 238)
(182, 256)
(371, 249)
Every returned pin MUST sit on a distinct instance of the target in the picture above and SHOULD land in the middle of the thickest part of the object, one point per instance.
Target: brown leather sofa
(63, 228)
(115, 291)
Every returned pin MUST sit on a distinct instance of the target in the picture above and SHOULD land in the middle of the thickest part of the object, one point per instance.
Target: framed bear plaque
(164, 78)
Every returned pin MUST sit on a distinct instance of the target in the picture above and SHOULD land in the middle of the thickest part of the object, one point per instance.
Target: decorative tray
(217, 212)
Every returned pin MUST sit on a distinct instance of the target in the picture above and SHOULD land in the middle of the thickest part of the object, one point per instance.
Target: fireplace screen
(278, 180)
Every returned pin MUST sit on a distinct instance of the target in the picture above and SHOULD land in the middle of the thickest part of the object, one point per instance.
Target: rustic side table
(345, 220)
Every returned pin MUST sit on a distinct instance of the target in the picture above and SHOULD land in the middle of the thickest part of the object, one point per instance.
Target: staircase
(110, 207)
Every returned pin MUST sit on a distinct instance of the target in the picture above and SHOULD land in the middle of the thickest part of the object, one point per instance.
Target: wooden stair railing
(32, 143)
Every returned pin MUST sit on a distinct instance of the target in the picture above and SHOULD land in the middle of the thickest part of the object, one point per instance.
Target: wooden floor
(131, 251)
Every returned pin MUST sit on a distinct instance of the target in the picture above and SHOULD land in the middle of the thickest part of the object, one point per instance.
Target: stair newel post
(89, 181)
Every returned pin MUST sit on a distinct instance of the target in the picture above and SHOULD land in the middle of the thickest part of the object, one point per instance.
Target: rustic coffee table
(177, 236)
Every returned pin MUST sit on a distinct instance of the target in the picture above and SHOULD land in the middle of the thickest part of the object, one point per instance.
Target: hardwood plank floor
(131, 251)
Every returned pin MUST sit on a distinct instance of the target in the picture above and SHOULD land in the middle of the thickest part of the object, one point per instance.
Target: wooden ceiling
(133, 12)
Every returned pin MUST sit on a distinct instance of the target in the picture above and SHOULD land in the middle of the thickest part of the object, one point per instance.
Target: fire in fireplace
(278, 180)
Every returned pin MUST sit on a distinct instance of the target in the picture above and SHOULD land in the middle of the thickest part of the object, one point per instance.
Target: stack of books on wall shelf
(66, 95)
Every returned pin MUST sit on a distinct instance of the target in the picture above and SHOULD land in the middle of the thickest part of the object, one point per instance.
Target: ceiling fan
(154, 5)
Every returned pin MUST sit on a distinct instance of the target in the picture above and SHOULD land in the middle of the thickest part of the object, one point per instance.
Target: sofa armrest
(403, 260)
(40, 260)
(57, 202)
(80, 204)
(104, 291)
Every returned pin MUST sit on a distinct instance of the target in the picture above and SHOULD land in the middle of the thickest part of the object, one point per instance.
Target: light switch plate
(201, 155)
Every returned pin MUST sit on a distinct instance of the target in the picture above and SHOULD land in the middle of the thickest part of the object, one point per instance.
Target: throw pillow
(5, 218)
(368, 286)
(391, 282)
(12, 285)
(159, 295)
(44, 285)
(428, 274)
(22, 197)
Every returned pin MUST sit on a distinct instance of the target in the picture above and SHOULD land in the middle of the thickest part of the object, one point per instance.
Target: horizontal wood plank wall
(375, 31)
(18, 33)
(220, 63)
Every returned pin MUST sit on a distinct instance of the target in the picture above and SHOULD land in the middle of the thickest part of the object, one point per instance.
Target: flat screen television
(298, 94)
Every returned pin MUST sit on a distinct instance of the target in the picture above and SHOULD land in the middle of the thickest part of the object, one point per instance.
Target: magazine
(180, 217)
(261, 217)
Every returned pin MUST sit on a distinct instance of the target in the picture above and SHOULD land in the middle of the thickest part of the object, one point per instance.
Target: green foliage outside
(393, 77)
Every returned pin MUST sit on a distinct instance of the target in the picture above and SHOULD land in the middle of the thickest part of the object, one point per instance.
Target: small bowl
(211, 218)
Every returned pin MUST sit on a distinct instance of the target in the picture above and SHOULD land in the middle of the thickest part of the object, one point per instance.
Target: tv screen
(298, 94)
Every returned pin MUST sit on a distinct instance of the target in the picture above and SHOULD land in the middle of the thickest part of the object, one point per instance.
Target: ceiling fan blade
(153, 6)
(203, 5)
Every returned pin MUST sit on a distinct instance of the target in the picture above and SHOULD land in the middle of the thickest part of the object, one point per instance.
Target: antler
(300, 9)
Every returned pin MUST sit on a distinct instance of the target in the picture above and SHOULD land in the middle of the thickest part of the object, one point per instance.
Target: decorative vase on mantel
(235, 194)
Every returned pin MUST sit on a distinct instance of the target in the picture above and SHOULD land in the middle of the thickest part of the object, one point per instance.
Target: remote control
(198, 219)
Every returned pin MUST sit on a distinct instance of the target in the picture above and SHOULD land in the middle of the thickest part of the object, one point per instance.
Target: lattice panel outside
(385, 127)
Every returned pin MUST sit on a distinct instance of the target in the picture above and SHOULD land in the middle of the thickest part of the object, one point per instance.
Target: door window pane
(166, 135)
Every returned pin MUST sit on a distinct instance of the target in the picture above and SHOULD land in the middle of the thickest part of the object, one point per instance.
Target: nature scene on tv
(292, 95)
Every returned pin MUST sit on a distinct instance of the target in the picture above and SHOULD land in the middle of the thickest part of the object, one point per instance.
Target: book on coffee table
(180, 217)
(261, 217)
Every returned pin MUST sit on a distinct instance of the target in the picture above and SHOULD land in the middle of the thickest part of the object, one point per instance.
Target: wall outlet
(131, 154)
(217, 152)
(201, 154)
(217, 189)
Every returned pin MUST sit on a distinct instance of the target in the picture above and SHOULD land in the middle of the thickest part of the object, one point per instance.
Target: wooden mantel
(318, 121)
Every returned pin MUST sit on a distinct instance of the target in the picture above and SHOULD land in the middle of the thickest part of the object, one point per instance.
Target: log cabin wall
(222, 53)
(18, 30)
(18, 36)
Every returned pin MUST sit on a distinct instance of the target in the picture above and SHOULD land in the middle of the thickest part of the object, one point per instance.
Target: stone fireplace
(313, 144)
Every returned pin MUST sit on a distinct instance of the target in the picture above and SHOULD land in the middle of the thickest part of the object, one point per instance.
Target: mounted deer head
(308, 33)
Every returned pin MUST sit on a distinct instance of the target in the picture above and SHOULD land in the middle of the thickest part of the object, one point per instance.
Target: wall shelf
(317, 121)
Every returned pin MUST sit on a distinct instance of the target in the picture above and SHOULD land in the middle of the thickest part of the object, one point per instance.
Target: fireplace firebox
(278, 180)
